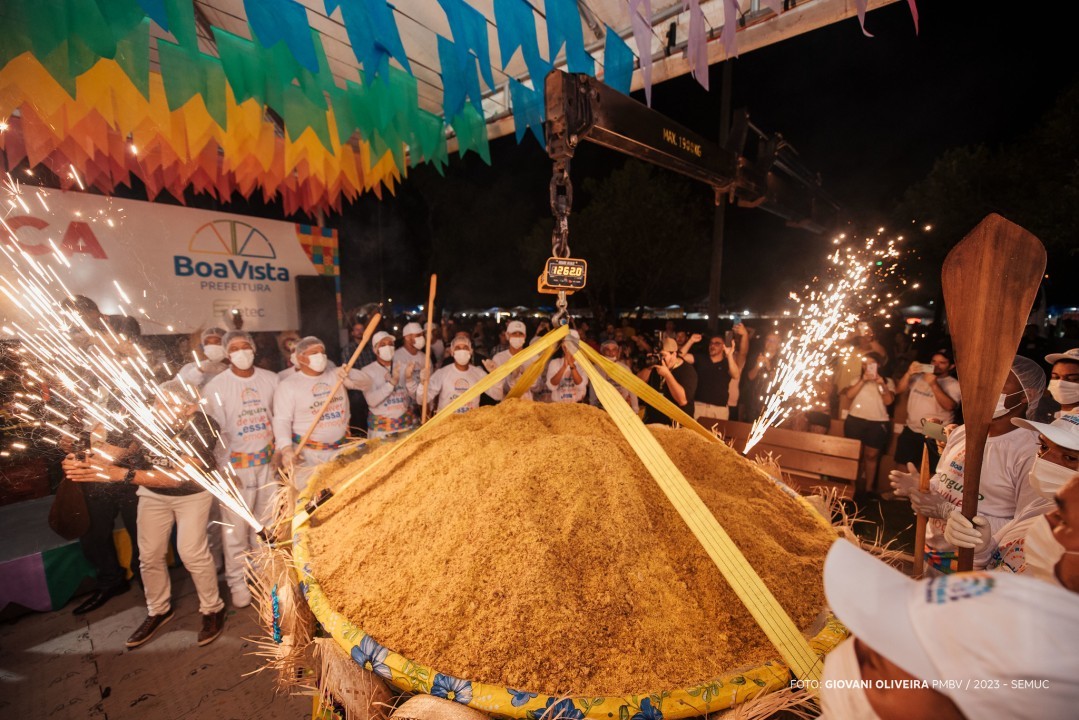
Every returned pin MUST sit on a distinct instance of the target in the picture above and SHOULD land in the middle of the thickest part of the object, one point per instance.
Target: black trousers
(103, 502)
(908, 448)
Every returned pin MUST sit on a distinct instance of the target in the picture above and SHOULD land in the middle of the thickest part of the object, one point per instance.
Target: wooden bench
(808, 460)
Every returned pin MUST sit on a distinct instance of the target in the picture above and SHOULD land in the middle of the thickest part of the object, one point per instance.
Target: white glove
(962, 533)
(425, 375)
(904, 482)
(489, 365)
(930, 504)
(409, 370)
(283, 458)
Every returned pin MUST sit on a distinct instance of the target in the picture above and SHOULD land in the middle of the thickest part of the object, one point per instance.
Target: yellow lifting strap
(550, 340)
(646, 392)
(529, 377)
(743, 579)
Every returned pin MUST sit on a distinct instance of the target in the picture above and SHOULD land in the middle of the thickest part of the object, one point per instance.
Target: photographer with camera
(934, 396)
(668, 373)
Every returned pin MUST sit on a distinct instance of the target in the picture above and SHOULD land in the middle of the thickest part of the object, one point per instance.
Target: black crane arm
(581, 108)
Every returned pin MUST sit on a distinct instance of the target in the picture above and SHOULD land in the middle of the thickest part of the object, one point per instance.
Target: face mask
(214, 353)
(517, 343)
(1048, 477)
(242, 359)
(1042, 552)
(837, 701)
(1064, 392)
(419, 343)
(1002, 408)
(461, 357)
(385, 353)
(317, 362)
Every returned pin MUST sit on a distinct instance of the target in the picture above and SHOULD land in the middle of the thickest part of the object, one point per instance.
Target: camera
(652, 359)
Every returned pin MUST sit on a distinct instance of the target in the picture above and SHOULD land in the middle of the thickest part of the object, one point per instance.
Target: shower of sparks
(93, 372)
(828, 312)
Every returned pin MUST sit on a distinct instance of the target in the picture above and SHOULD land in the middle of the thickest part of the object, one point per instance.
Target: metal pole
(721, 204)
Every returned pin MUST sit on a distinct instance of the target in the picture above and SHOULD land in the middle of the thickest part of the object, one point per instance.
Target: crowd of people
(259, 407)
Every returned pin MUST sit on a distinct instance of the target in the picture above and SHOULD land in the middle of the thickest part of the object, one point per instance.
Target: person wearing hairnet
(240, 402)
(295, 409)
(516, 334)
(387, 388)
(200, 371)
(450, 382)
(1026, 544)
(1008, 459)
(410, 355)
(1064, 380)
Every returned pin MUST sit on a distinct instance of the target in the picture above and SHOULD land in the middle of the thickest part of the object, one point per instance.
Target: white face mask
(242, 359)
(385, 353)
(461, 357)
(213, 353)
(1048, 477)
(419, 342)
(317, 362)
(837, 701)
(517, 342)
(1042, 552)
(1002, 408)
(1064, 392)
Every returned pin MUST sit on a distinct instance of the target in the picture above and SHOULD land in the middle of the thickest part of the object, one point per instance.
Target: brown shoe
(213, 625)
(149, 626)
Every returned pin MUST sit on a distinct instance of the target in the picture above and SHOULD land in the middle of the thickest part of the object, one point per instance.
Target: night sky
(869, 114)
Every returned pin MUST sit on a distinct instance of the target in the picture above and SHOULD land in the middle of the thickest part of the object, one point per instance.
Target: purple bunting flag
(469, 29)
(697, 46)
(640, 19)
(914, 14)
(730, 27)
(860, 7)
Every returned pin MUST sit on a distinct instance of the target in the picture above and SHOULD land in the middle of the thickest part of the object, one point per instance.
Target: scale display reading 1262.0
(567, 274)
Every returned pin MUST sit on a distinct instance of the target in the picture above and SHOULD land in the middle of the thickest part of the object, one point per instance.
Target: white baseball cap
(1012, 637)
(1064, 431)
(516, 326)
(379, 337)
(1071, 355)
(412, 328)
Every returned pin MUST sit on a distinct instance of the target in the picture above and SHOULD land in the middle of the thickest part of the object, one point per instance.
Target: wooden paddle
(990, 280)
(367, 333)
(427, 346)
(919, 530)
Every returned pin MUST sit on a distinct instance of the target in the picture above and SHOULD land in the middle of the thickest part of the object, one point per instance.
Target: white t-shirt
(198, 374)
(1003, 491)
(868, 404)
(922, 403)
(242, 409)
(403, 358)
(448, 383)
(299, 398)
(385, 398)
(287, 372)
(504, 357)
(566, 390)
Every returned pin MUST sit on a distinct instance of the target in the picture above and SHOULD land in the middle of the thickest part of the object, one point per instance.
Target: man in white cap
(516, 334)
(973, 646)
(411, 353)
(1003, 489)
(241, 400)
(611, 350)
(201, 370)
(391, 399)
(295, 409)
(1064, 380)
(1026, 544)
(566, 382)
(450, 382)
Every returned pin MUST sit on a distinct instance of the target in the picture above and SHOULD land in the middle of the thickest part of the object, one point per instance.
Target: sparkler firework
(827, 314)
(86, 370)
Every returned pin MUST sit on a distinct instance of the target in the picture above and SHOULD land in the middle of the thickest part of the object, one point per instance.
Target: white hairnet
(212, 332)
(1032, 379)
(238, 335)
(308, 342)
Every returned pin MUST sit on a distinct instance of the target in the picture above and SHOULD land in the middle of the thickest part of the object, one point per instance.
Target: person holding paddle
(1008, 458)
